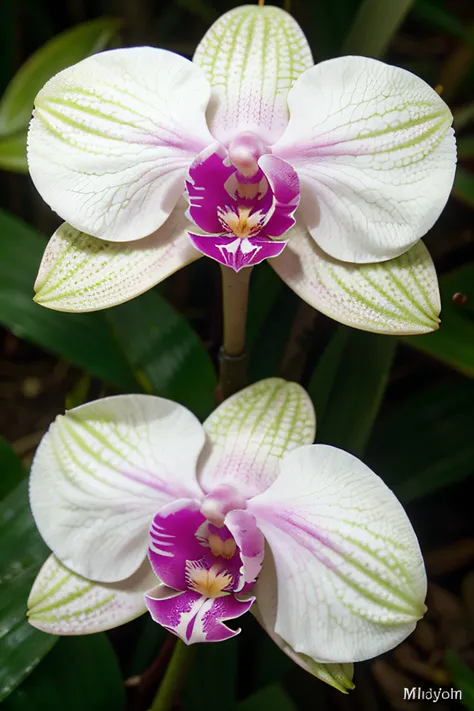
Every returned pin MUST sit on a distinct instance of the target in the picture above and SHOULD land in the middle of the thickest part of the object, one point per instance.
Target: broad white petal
(252, 56)
(350, 576)
(100, 474)
(398, 297)
(337, 675)
(64, 603)
(113, 136)
(249, 433)
(83, 273)
(375, 155)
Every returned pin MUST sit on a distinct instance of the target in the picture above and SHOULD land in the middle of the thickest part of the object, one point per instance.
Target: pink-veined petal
(113, 136)
(375, 156)
(83, 273)
(252, 56)
(100, 474)
(194, 618)
(249, 433)
(397, 297)
(64, 603)
(350, 577)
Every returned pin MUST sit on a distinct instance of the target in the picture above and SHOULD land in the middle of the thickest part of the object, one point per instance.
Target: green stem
(232, 358)
(174, 677)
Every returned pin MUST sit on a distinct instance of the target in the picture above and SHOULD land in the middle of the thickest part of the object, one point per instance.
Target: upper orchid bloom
(240, 513)
(249, 152)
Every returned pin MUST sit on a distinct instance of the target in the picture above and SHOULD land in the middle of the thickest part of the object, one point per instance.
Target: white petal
(375, 155)
(64, 603)
(100, 474)
(252, 56)
(337, 675)
(249, 433)
(397, 297)
(113, 136)
(351, 580)
(83, 273)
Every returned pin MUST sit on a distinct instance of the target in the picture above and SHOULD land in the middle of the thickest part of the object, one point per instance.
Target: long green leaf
(453, 343)
(11, 468)
(348, 385)
(62, 51)
(21, 553)
(426, 443)
(13, 153)
(144, 344)
(212, 681)
(165, 353)
(374, 26)
(80, 674)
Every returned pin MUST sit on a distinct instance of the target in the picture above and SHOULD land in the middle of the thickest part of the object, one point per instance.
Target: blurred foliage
(418, 437)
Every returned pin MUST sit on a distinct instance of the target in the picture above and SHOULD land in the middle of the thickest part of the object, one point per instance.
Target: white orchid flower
(240, 513)
(249, 152)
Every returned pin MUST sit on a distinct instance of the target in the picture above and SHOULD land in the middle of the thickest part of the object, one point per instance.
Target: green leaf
(83, 339)
(11, 468)
(270, 343)
(272, 697)
(81, 673)
(13, 153)
(144, 344)
(374, 26)
(348, 385)
(463, 678)
(62, 51)
(426, 443)
(164, 352)
(463, 188)
(212, 681)
(21, 553)
(453, 343)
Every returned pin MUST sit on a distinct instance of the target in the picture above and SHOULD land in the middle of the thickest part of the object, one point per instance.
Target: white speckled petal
(112, 138)
(249, 433)
(252, 56)
(397, 297)
(375, 156)
(83, 273)
(100, 474)
(350, 576)
(64, 603)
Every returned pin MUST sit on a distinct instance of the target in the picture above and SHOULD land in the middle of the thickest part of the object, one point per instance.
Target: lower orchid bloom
(331, 172)
(144, 507)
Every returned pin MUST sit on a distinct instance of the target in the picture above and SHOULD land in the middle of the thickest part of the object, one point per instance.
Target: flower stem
(174, 677)
(232, 357)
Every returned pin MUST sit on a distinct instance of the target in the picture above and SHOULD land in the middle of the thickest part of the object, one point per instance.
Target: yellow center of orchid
(209, 583)
(242, 224)
(224, 549)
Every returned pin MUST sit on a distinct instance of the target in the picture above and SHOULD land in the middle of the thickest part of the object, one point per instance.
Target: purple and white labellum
(243, 200)
(204, 570)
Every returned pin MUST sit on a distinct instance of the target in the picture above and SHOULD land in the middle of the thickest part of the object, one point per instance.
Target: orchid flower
(331, 172)
(144, 507)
